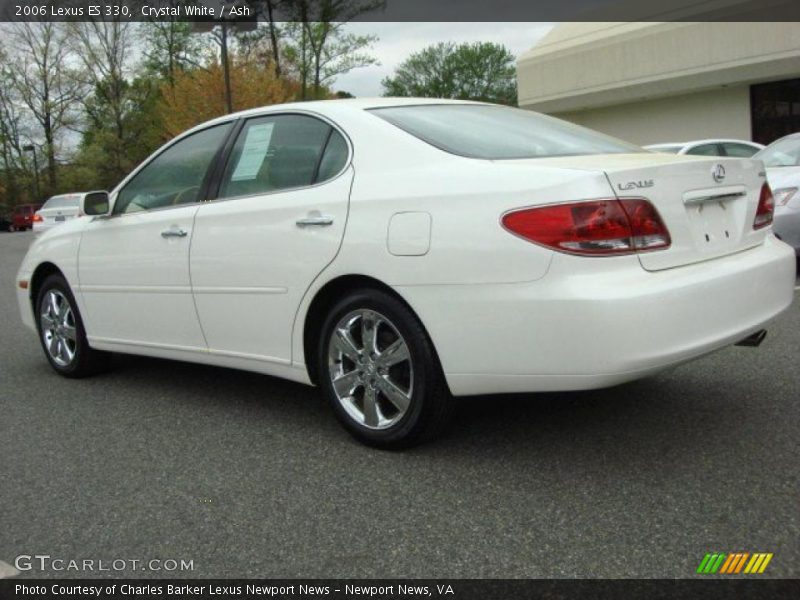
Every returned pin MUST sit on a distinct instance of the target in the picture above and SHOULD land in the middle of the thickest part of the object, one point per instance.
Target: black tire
(431, 404)
(85, 361)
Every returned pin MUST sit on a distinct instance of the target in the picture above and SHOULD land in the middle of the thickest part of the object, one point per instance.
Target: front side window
(282, 152)
(175, 176)
(498, 132)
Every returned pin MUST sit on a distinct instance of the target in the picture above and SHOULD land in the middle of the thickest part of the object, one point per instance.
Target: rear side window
(334, 157)
(705, 150)
(739, 150)
(282, 152)
(499, 132)
(61, 202)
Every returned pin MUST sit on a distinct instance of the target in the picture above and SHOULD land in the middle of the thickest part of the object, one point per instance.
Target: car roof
(708, 141)
(327, 107)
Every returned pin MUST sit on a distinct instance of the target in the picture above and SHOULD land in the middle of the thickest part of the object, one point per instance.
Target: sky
(399, 40)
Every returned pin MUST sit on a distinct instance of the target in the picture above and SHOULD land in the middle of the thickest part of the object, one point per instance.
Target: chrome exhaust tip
(753, 341)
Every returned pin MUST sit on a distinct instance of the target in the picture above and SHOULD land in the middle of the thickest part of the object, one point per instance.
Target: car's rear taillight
(783, 195)
(37, 218)
(766, 206)
(594, 227)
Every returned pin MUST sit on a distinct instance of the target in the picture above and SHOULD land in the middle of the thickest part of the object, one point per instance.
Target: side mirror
(96, 204)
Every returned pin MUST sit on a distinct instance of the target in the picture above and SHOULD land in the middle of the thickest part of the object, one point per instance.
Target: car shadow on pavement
(658, 419)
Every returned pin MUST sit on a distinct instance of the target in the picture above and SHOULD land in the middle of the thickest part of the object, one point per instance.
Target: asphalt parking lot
(250, 476)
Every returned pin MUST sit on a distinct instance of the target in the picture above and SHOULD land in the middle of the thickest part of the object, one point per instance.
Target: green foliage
(113, 143)
(96, 98)
(480, 71)
(319, 47)
(170, 46)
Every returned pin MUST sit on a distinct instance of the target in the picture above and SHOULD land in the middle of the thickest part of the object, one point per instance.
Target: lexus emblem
(718, 173)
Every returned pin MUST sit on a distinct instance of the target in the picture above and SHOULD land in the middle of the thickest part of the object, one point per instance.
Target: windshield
(62, 202)
(783, 153)
(498, 132)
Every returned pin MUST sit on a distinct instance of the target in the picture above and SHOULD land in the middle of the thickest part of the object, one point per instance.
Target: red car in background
(22, 216)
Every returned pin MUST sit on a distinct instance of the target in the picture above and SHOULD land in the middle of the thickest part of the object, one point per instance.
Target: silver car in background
(732, 148)
(56, 210)
(782, 160)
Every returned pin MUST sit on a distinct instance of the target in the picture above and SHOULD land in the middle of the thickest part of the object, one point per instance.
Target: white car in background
(782, 160)
(732, 148)
(56, 211)
(399, 252)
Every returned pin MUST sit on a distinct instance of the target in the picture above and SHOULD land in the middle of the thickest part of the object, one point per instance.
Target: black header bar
(405, 10)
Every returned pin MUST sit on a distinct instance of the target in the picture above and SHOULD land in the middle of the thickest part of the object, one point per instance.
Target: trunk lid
(707, 204)
(59, 209)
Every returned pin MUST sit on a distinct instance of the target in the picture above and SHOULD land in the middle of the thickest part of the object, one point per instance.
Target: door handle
(315, 218)
(173, 232)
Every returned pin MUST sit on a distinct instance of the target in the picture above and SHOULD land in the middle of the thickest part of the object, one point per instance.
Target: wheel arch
(323, 300)
(40, 273)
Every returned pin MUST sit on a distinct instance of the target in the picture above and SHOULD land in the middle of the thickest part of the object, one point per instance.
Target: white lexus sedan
(400, 252)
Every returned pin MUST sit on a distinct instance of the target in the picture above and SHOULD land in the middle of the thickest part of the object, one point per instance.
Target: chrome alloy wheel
(57, 321)
(370, 368)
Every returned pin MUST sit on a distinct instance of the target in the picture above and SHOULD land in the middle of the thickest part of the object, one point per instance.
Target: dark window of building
(775, 109)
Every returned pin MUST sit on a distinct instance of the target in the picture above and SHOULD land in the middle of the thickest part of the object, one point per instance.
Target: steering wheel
(179, 197)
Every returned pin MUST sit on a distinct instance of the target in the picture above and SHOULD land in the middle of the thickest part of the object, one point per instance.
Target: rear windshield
(783, 153)
(498, 132)
(62, 202)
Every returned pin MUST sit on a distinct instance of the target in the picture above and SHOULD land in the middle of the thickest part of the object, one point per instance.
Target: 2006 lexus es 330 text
(399, 252)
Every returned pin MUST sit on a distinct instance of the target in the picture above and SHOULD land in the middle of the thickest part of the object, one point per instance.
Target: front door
(278, 221)
(134, 265)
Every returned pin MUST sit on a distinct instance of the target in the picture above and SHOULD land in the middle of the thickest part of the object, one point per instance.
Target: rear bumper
(593, 323)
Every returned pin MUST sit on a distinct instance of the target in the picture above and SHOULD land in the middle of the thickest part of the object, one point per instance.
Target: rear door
(278, 221)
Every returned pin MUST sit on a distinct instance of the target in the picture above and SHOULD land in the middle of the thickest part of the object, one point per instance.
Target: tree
(198, 94)
(10, 143)
(479, 71)
(321, 48)
(40, 74)
(116, 119)
(170, 45)
(269, 12)
(114, 141)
